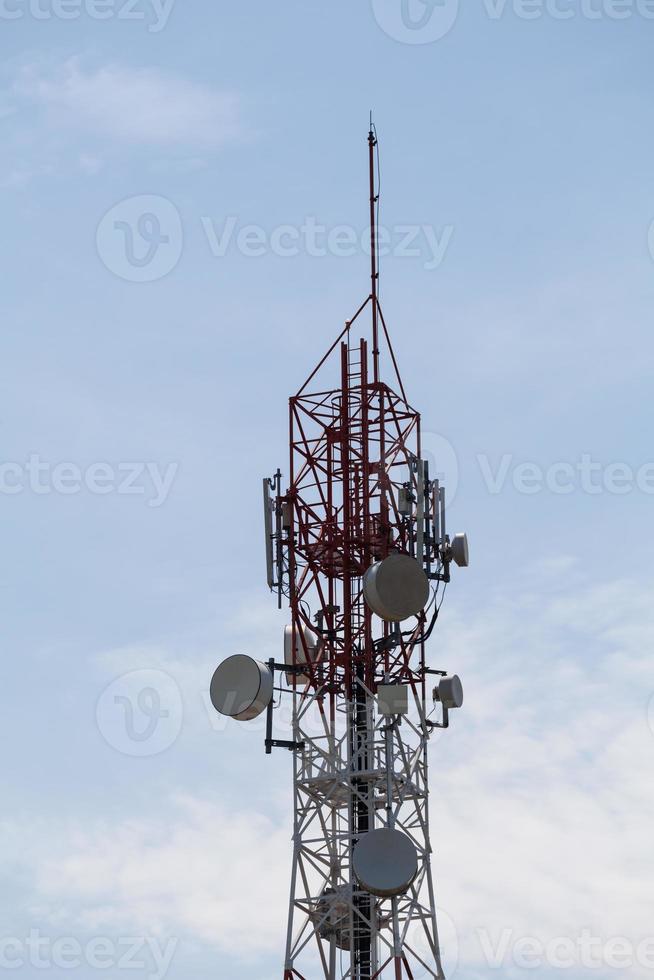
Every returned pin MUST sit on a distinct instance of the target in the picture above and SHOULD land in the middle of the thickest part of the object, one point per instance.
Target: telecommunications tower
(356, 543)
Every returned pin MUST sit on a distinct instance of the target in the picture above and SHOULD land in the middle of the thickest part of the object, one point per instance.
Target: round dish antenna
(449, 692)
(385, 862)
(396, 588)
(459, 549)
(241, 688)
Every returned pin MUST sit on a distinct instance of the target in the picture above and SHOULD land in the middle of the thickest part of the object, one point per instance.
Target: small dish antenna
(385, 862)
(241, 688)
(459, 550)
(449, 691)
(311, 645)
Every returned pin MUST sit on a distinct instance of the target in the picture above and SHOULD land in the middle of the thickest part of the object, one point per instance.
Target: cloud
(189, 873)
(541, 795)
(140, 106)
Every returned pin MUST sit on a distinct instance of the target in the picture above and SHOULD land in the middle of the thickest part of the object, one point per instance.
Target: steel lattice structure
(358, 492)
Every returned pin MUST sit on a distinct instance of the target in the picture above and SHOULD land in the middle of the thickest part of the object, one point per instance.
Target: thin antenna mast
(374, 274)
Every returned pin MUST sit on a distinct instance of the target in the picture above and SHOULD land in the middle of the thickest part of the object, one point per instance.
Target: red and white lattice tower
(359, 500)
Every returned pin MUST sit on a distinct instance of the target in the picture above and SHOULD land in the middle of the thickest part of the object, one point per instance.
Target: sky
(184, 201)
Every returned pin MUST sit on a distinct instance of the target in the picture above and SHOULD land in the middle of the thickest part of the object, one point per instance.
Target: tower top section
(371, 302)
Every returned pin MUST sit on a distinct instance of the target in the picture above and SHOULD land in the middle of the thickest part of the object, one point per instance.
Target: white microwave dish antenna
(460, 550)
(385, 862)
(449, 692)
(241, 688)
(396, 588)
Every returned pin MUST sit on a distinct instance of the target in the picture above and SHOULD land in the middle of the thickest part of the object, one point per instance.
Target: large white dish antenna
(241, 688)
(385, 862)
(396, 588)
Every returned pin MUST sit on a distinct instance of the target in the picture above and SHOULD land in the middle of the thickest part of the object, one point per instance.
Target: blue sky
(516, 152)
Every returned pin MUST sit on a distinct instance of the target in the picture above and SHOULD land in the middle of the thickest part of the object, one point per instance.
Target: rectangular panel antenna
(268, 529)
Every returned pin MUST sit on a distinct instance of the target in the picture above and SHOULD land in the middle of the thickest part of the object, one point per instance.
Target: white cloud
(134, 105)
(254, 626)
(21, 176)
(192, 873)
(542, 792)
(541, 806)
(90, 164)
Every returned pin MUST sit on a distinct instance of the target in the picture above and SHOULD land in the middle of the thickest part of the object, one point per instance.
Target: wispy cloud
(142, 106)
(541, 807)
(542, 788)
(189, 873)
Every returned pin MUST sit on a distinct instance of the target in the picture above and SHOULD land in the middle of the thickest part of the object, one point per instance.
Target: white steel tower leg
(325, 913)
